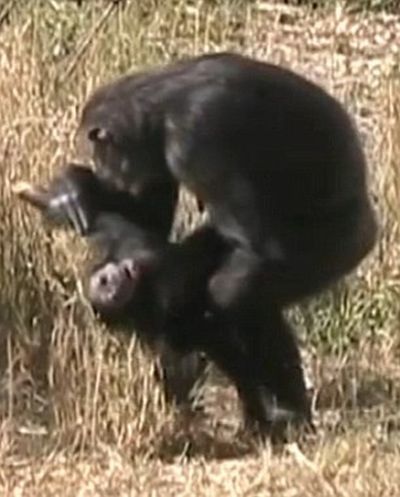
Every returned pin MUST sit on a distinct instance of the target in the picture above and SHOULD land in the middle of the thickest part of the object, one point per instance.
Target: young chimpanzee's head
(112, 286)
(120, 282)
(119, 287)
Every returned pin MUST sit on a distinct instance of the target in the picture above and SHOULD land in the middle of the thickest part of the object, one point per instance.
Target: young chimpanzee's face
(112, 285)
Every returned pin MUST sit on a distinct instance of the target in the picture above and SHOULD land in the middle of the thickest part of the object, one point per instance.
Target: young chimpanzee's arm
(77, 196)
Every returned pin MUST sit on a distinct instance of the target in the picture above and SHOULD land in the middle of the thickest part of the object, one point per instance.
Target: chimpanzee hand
(68, 200)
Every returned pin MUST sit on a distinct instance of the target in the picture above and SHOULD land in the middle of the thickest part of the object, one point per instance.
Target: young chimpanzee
(279, 166)
(140, 280)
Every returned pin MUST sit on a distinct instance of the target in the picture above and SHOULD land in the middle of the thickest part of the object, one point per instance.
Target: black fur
(279, 166)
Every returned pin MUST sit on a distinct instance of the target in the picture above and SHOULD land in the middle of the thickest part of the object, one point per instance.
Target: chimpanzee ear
(99, 134)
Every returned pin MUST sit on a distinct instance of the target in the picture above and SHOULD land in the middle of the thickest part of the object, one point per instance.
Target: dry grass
(80, 412)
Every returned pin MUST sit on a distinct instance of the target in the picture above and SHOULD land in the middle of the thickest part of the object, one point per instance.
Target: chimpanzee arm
(181, 287)
(78, 196)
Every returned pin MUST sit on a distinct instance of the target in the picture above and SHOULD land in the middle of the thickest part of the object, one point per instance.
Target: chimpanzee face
(127, 164)
(112, 286)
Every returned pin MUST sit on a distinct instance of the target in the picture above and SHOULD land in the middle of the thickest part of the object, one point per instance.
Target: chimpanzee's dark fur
(279, 166)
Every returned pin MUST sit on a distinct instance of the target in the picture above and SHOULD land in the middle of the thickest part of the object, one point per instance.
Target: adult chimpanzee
(279, 166)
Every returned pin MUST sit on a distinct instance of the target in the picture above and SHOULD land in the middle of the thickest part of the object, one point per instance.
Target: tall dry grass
(68, 384)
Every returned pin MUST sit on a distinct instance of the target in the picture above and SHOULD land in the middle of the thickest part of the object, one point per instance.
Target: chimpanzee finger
(36, 196)
(68, 206)
(60, 208)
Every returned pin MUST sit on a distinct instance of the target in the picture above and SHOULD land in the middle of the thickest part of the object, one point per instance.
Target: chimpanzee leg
(275, 354)
(259, 353)
(182, 374)
(236, 276)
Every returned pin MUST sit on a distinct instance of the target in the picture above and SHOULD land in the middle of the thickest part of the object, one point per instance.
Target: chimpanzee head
(123, 138)
(112, 286)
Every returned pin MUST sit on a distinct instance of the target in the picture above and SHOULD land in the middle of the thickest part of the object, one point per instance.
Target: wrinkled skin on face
(112, 287)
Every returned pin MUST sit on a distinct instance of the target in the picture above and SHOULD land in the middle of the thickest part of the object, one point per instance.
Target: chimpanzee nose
(103, 280)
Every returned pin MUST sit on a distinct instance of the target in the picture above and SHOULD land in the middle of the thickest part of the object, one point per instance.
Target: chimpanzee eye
(127, 272)
(130, 268)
